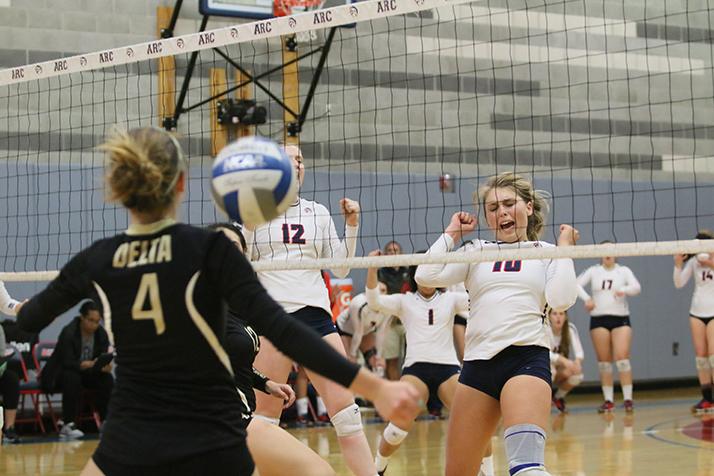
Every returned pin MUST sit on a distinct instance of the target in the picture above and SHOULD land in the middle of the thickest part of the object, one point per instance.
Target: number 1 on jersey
(149, 286)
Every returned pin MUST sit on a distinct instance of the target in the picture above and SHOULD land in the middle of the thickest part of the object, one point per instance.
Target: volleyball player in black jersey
(275, 451)
(162, 285)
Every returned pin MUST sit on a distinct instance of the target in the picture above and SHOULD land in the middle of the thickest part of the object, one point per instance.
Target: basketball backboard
(256, 9)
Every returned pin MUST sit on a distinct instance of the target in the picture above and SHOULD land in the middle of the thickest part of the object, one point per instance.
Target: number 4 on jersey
(149, 286)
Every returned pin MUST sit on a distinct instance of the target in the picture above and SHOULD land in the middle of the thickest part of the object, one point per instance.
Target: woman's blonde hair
(144, 167)
(524, 189)
(565, 339)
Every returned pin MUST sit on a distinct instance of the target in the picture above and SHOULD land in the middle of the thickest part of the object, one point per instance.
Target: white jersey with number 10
(508, 298)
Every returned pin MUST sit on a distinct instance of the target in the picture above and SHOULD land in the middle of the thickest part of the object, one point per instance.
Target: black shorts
(705, 320)
(609, 322)
(433, 375)
(341, 332)
(316, 319)
(490, 376)
(231, 461)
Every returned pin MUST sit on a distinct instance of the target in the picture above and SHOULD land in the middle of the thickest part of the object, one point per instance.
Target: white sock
(608, 393)
(561, 393)
(301, 404)
(381, 461)
(627, 392)
(487, 466)
(321, 408)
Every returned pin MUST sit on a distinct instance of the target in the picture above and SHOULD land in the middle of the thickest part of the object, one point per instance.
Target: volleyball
(253, 180)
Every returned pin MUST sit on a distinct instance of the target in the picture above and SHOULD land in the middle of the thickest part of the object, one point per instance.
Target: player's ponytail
(144, 166)
(524, 189)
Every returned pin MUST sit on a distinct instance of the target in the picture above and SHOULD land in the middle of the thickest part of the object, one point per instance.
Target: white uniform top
(576, 347)
(703, 298)
(8, 305)
(603, 285)
(304, 231)
(459, 288)
(428, 323)
(358, 320)
(508, 299)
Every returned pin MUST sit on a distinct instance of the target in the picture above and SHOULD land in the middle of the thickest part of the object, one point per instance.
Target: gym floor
(662, 437)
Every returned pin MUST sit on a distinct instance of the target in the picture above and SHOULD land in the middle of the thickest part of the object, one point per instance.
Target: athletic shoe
(9, 436)
(324, 418)
(701, 407)
(629, 406)
(70, 432)
(560, 404)
(302, 421)
(606, 407)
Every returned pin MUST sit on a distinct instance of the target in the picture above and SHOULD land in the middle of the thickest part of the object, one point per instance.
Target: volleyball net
(403, 105)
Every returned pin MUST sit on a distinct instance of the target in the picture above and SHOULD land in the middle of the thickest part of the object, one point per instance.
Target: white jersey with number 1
(304, 231)
(428, 323)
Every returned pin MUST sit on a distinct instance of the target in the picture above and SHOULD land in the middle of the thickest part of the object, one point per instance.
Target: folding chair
(29, 387)
(41, 353)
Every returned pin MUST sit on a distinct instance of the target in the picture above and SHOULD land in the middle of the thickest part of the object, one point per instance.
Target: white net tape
(272, 28)
(661, 248)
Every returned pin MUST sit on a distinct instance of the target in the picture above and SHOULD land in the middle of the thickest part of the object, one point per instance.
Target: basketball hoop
(282, 8)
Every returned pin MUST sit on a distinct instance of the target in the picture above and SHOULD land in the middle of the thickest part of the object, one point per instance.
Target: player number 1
(149, 286)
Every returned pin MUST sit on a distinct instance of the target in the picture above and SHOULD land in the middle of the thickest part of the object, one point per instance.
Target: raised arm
(682, 272)
(561, 290)
(389, 305)
(332, 245)
(441, 275)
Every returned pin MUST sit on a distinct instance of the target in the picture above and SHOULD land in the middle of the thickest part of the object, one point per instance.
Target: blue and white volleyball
(253, 180)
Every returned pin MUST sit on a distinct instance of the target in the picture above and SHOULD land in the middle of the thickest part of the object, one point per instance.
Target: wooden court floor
(661, 438)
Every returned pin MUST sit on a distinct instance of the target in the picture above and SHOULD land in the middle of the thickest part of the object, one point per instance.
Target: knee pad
(394, 435)
(702, 363)
(711, 361)
(605, 367)
(272, 421)
(348, 421)
(623, 365)
(525, 448)
(575, 379)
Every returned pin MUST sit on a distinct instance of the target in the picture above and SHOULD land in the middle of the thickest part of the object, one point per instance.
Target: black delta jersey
(163, 289)
(242, 345)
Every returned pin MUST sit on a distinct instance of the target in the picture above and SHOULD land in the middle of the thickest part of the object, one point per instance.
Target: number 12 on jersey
(297, 238)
